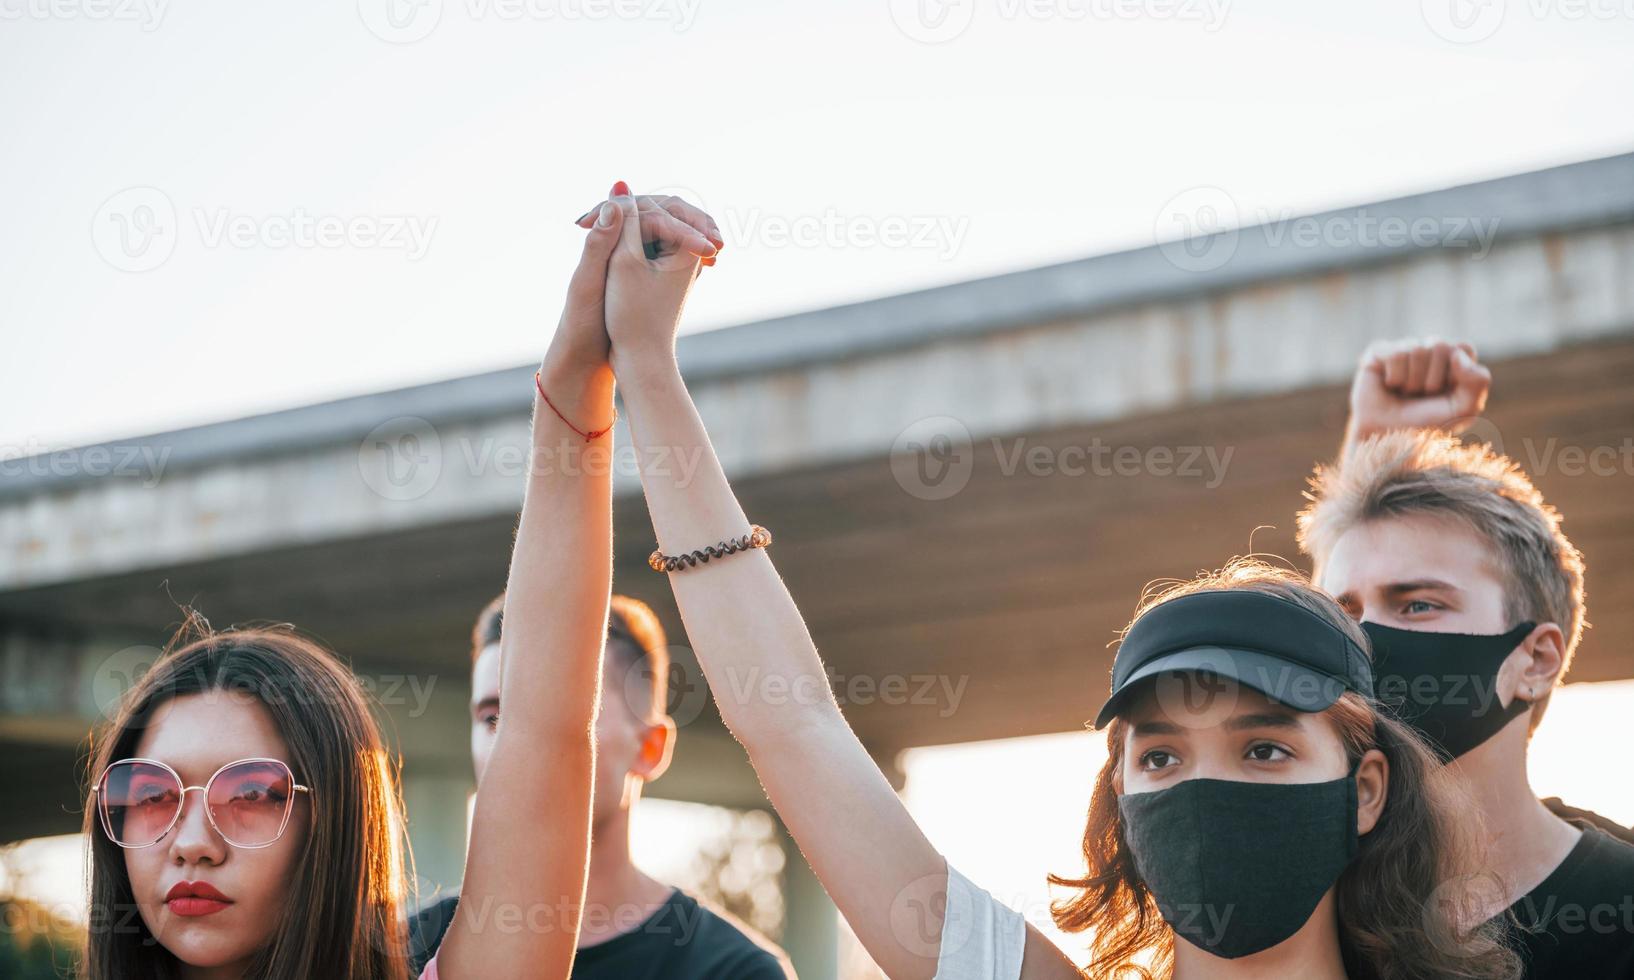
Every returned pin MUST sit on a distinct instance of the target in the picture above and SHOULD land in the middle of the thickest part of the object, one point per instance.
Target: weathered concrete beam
(1084, 342)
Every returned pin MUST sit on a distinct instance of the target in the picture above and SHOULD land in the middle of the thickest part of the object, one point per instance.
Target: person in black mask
(1472, 597)
(1272, 798)
(1259, 813)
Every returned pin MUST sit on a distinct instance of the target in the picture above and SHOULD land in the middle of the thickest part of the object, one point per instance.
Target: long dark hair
(1402, 900)
(342, 915)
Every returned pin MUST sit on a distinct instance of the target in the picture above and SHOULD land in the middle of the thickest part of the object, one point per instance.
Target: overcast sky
(213, 210)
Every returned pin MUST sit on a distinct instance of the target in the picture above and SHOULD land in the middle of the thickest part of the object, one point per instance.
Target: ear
(1536, 663)
(1372, 789)
(657, 746)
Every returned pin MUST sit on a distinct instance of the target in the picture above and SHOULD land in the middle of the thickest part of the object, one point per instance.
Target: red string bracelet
(588, 436)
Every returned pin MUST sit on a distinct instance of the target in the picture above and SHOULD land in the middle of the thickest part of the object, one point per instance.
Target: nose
(194, 840)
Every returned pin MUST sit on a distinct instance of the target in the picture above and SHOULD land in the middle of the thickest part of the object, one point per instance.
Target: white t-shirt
(982, 938)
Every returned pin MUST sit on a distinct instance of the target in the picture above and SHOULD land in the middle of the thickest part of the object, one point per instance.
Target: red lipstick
(194, 898)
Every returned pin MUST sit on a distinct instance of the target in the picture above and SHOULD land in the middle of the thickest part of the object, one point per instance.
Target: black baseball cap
(1262, 641)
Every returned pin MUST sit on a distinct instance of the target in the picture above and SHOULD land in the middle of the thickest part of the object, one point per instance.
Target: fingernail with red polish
(621, 189)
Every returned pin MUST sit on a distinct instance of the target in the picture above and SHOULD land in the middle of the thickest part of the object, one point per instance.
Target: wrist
(645, 367)
(581, 391)
(568, 356)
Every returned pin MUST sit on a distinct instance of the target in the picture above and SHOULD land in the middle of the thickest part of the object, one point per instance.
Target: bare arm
(870, 855)
(525, 870)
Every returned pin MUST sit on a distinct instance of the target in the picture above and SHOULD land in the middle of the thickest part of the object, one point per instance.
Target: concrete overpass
(969, 485)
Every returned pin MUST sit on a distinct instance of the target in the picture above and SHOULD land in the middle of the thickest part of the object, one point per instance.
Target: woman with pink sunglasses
(244, 816)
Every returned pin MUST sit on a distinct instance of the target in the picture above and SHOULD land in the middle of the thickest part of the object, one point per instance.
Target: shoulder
(982, 938)
(1610, 853)
(1588, 818)
(1597, 875)
(741, 953)
(1577, 923)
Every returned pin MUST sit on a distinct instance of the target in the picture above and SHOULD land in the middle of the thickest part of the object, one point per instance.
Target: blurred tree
(36, 941)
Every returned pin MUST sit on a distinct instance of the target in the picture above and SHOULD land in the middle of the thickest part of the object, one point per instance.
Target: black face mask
(1445, 684)
(1238, 867)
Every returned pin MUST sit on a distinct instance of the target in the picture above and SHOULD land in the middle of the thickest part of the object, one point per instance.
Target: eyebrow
(1269, 719)
(1348, 597)
(484, 703)
(1419, 585)
(1265, 719)
(1156, 728)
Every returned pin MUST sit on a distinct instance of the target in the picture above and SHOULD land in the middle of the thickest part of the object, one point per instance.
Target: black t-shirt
(682, 940)
(1586, 818)
(1578, 923)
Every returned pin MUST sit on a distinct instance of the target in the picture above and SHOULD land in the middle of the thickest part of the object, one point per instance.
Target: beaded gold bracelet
(758, 537)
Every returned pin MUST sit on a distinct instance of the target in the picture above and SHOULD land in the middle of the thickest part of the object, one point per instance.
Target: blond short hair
(1411, 472)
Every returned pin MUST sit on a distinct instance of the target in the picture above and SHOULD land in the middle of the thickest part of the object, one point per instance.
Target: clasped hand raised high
(624, 301)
